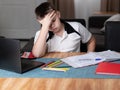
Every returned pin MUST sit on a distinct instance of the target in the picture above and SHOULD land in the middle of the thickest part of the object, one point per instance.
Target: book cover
(109, 68)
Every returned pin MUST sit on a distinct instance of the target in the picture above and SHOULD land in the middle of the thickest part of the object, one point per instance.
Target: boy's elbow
(37, 55)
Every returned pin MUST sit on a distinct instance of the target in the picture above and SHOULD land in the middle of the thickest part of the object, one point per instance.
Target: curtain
(66, 8)
(110, 5)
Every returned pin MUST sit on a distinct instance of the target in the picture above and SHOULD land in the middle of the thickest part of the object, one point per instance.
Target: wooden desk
(59, 83)
(61, 55)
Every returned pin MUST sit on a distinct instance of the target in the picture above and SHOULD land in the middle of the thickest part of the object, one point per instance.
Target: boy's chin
(55, 30)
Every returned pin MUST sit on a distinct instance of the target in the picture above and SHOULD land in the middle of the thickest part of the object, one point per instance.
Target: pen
(90, 59)
(98, 59)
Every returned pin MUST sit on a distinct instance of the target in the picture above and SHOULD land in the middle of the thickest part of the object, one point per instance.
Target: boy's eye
(53, 20)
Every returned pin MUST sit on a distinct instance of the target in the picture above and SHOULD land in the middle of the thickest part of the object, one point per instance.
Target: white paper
(109, 55)
(90, 58)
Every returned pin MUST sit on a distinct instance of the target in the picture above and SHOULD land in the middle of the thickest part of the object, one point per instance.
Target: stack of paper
(91, 58)
(109, 55)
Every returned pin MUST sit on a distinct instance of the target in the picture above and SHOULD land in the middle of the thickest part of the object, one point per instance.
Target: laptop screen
(10, 58)
(9, 54)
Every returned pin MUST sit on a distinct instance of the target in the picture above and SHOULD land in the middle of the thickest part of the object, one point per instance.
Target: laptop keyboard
(30, 64)
(26, 64)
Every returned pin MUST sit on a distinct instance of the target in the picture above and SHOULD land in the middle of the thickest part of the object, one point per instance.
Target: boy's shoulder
(74, 24)
(38, 32)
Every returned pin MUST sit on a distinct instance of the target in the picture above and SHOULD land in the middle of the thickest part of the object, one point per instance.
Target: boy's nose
(52, 25)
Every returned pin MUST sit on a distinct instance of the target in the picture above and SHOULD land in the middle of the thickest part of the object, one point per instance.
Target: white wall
(17, 18)
(85, 8)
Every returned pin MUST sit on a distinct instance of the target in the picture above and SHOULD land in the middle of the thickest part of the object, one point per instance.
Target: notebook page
(109, 55)
(83, 60)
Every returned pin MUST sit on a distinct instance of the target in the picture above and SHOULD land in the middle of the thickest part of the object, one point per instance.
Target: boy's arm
(40, 46)
(91, 44)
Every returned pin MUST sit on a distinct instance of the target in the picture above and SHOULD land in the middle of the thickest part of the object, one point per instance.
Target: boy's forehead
(50, 10)
(40, 18)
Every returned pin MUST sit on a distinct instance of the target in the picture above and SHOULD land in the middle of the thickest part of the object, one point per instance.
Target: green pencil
(55, 63)
(63, 67)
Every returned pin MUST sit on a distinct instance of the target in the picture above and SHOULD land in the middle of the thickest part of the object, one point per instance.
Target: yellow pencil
(56, 69)
(58, 62)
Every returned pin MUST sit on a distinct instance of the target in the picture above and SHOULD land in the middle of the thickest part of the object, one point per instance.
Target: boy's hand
(47, 20)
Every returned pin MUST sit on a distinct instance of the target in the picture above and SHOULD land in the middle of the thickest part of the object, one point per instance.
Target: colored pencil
(56, 63)
(47, 64)
(56, 69)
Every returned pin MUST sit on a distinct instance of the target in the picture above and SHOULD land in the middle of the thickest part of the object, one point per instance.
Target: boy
(58, 36)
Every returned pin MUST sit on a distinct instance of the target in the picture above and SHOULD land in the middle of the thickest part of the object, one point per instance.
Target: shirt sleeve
(85, 34)
(36, 36)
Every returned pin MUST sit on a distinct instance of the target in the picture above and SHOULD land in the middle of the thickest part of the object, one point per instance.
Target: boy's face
(55, 24)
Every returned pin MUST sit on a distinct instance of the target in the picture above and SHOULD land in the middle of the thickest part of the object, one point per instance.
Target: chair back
(82, 21)
(112, 36)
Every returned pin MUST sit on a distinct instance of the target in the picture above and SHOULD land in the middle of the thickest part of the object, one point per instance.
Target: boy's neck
(61, 30)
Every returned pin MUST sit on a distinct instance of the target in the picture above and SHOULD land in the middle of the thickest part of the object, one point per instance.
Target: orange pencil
(47, 64)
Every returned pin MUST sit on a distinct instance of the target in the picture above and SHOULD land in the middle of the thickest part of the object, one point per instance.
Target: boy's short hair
(43, 9)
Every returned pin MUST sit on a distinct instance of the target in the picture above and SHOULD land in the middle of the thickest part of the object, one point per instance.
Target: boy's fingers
(52, 13)
(53, 16)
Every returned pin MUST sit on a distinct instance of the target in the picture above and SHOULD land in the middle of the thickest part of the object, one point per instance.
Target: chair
(82, 21)
(112, 36)
(2, 37)
(29, 45)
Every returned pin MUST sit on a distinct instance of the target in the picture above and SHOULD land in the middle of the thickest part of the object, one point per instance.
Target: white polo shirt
(68, 42)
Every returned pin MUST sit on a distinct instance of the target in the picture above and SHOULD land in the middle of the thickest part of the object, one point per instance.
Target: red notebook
(109, 68)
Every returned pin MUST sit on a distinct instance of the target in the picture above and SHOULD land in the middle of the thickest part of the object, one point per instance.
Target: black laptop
(10, 58)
